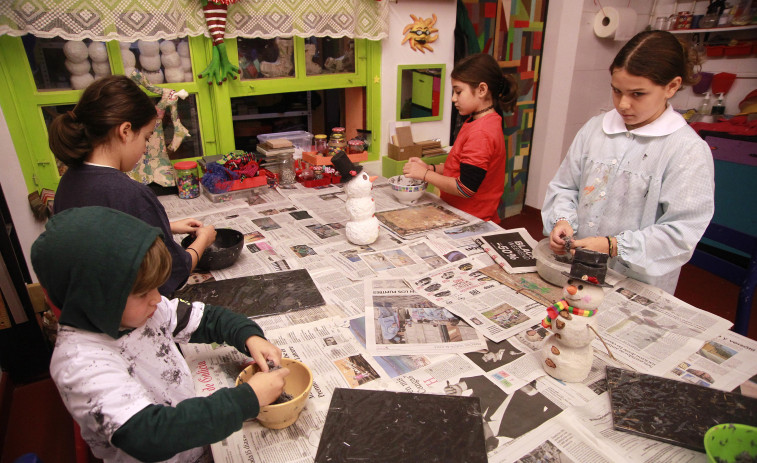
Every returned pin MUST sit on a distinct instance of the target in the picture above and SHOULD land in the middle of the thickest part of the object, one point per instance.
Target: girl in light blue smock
(637, 182)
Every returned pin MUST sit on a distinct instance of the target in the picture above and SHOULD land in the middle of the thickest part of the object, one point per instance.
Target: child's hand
(261, 351)
(415, 168)
(269, 385)
(185, 226)
(556, 238)
(204, 235)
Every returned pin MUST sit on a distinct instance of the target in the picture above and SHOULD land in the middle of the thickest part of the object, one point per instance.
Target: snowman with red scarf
(567, 353)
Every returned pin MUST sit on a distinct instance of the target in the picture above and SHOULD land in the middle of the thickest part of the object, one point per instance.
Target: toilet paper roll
(615, 23)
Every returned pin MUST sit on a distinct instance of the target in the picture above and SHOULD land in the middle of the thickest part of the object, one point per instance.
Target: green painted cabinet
(35, 86)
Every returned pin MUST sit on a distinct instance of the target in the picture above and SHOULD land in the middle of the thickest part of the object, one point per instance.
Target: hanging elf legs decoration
(219, 69)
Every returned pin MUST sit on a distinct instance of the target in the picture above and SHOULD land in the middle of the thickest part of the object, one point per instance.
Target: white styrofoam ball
(81, 81)
(188, 77)
(183, 48)
(128, 70)
(101, 69)
(124, 45)
(148, 48)
(149, 63)
(171, 60)
(167, 46)
(98, 52)
(76, 69)
(154, 77)
(75, 51)
(174, 74)
(127, 56)
(186, 64)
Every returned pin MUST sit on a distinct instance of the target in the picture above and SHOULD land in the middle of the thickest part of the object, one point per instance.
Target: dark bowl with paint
(222, 253)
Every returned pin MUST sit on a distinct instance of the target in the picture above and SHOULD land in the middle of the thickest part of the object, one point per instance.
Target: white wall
(575, 81)
(14, 189)
(394, 53)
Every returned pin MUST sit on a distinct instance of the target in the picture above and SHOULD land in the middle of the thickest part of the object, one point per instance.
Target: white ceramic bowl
(407, 190)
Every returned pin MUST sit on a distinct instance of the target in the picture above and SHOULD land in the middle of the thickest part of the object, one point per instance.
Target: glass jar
(286, 168)
(355, 146)
(337, 142)
(321, 144)
(187, 180)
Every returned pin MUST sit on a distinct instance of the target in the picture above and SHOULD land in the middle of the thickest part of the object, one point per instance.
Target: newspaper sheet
(399, 320)
(723, 363)
(492, 308)
(512, 249)
(650, 330)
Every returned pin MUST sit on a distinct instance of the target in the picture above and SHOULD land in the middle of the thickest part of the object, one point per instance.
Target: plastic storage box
(299, 138)
(232, 194)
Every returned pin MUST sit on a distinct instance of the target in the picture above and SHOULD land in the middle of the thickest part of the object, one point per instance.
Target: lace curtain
(129, 20)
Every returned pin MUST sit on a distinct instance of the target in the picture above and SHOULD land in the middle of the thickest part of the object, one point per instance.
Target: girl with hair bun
(473, 177)
(101, 139)
(637, 182)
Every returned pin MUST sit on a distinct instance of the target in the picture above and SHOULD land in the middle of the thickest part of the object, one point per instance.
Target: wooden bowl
(298, 385)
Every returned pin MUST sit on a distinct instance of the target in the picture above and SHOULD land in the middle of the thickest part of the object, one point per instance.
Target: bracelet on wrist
(424, 175)
(196, 253)
(609, 246)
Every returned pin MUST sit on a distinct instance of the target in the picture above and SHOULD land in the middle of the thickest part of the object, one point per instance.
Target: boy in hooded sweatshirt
(116, 363)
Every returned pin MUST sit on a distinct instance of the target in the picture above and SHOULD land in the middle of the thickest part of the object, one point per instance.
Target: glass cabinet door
(59, 64)
(326, 55)
(160, 61)
(265, 58)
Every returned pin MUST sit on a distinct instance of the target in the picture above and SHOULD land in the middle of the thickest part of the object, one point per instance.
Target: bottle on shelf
(719, 107)
(706, 106)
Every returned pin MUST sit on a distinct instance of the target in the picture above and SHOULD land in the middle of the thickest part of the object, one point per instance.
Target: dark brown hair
(482, 67)
(659, 56)
(105, 104)
(155, 268)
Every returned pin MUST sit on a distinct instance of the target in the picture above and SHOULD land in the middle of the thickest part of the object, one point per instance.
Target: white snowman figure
(567, 353)
(77, 63)
(363, 226)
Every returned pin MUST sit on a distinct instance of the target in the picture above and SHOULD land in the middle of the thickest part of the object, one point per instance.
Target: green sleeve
(222, 325)
(158, 432)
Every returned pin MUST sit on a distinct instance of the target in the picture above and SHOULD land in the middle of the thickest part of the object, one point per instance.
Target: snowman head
(360, 185)
(582, 294)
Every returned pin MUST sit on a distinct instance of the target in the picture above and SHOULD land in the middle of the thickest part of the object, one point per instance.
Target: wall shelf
(714, 29)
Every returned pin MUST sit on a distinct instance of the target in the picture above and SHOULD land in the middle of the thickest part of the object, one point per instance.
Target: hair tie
(72, 115)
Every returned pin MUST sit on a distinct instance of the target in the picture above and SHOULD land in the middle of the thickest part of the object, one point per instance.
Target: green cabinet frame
(22, 102)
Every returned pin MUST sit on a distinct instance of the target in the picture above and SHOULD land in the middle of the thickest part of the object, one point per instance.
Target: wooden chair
(731, 266)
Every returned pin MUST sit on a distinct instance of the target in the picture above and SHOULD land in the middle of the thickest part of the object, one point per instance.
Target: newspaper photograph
(402, 321)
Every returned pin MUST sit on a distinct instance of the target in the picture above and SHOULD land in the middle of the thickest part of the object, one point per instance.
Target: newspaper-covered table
(428, 314)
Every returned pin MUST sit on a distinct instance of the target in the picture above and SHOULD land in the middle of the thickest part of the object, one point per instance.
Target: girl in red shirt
(473, 178)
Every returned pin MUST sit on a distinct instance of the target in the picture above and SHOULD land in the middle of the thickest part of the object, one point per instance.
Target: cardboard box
(313, 158)
(403, 153)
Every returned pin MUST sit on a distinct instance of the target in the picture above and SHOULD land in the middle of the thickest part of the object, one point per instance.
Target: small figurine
(567, 353)
(363, 226)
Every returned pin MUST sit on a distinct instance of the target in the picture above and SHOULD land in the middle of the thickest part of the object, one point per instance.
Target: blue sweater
(89, 185)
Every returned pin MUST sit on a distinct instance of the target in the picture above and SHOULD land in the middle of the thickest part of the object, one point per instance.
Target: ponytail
(104, 105)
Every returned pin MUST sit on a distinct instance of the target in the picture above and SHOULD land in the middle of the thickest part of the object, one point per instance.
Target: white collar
(97, 165)
(668, 122)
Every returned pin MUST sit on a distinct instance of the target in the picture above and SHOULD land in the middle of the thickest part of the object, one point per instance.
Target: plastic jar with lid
(187, 180)
(321, 144)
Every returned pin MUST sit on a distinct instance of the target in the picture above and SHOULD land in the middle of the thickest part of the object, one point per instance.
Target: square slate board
(673, 411)
(258, 295)
(383, 426)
